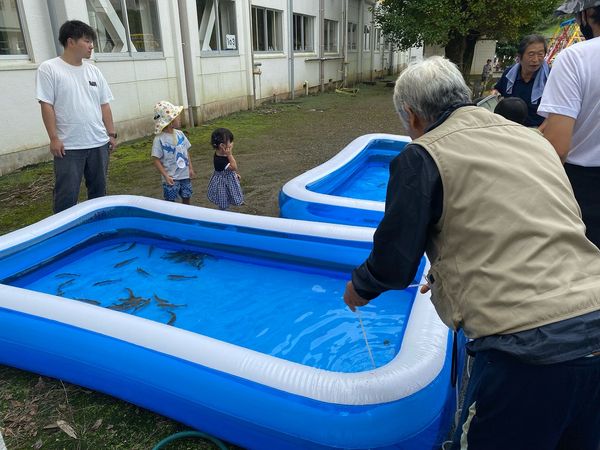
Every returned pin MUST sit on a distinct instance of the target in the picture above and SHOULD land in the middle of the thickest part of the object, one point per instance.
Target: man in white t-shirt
(74, 98)
(571, 105)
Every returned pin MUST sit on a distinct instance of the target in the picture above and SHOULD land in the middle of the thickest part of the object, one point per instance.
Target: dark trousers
(90, 163)
(513, 405)
(586, 186)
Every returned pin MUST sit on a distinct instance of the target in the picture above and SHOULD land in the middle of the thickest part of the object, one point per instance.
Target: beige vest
(509, 252)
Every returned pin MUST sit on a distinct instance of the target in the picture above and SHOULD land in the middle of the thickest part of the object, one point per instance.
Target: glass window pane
(107, 19)
(227, 25)
(144, 25)
(12, 41)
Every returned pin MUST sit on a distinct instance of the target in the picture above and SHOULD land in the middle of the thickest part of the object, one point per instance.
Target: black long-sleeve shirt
(414, 203)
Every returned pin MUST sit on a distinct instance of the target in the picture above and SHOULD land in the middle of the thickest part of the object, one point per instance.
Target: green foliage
(409, 23)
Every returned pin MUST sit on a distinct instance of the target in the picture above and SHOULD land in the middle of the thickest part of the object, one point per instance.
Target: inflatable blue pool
(229, 323)
(350, 188)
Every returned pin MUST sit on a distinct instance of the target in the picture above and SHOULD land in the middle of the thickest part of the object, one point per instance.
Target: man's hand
(112, 144)
(57, 148)
(352, 299)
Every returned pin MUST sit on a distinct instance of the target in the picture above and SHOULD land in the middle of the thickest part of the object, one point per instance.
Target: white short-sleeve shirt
(573, 90)
(76, 92)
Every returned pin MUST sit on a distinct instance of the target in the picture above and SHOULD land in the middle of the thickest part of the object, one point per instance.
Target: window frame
(304, 20)
(220, 51)
(277, 31)
(327, 23)
(27, 56)
(352, 41)
(129, 54)
(366, 38)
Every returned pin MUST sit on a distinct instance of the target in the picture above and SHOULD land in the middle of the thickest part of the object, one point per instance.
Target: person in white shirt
(74, 99)
(571, 105)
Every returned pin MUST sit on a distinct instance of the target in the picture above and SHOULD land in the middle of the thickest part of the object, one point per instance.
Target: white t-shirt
(76, 92)
(174, 158)
(573, 90)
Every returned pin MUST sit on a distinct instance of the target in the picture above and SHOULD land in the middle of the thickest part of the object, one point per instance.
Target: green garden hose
(189, 434)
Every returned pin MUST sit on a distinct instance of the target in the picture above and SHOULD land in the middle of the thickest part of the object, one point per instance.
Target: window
(217, 35)
(331, 36)
(367, 38)
(12, 41)
(378, 43)
(125, 26)
(352, 41)
(303, 33)
(266, 30)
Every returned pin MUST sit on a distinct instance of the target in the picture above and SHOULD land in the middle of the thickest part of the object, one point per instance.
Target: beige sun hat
(164, 113)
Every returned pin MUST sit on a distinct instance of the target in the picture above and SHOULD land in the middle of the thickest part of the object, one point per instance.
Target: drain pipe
(344, 41)
(321, 45)
(372, 44)
(254, 68)
(291, 46)
(361, 38)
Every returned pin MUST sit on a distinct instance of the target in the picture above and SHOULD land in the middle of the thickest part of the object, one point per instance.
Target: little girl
(170, 153)
(224, 186)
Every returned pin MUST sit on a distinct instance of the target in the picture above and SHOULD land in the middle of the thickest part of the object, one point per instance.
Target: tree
(457, 24)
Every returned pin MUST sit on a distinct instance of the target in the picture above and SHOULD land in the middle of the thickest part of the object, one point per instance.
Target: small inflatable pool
(232, 324)
(350, 188)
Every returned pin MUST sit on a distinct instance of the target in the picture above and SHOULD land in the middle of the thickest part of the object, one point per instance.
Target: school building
(212, 56)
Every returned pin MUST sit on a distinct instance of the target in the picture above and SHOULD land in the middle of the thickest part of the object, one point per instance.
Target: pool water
(364, 178)
(281, 308)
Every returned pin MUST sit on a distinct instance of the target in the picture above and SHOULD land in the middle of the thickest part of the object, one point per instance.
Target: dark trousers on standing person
(90, 163)
(586, 187)
(513, 405)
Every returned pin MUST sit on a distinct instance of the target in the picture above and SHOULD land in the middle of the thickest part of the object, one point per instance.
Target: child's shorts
(180, 188)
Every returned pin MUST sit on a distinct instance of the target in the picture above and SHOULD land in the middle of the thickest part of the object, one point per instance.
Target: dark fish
(114, 247)
(133, 244)
(166, 304)
(150, 250)
(172, 319)
(194, 259)
(87, 300)
(142, 304)
(102, 283)
(66, 275)
(120, 306)
(65, 283)
(60, 293)
(124, 263)
(142, 272)
(181, 277)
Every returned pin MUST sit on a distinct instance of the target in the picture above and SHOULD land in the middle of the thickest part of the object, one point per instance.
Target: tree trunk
(460, 50)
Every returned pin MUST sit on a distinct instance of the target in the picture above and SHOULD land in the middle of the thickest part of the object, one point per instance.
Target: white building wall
(484, 49)
(208, 84)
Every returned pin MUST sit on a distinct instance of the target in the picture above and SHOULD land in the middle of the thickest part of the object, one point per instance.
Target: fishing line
(362, 327)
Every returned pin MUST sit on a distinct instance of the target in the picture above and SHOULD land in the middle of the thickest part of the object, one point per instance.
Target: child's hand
(192, 173)
(169, 180)
(239, 177)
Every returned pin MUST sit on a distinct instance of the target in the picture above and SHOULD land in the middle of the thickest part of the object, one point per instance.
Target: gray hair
(430, 87)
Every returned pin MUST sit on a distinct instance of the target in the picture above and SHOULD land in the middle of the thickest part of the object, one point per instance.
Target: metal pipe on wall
(321, 45)
(291, 46)
(182, 70)
(344, 41)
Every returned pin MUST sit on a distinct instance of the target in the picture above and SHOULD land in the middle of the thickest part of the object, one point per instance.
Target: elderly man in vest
(490, 203)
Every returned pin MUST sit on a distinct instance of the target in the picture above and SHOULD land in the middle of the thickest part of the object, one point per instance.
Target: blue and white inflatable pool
(350, 188)
(232, 324)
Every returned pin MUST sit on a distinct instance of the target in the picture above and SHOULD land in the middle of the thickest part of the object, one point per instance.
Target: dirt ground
(273, 144)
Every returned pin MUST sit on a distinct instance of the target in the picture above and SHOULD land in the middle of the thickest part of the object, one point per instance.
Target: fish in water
(142, 304)
(128, 303)
(150, 250)
(180, 277)
(194, 259)
(66, 275)
(142, 272)
(133, 244)
(172, 319)
(124, 263)
(87, 300)
(165, 303)
(104, 282)
(65, 283)
(114, 247)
